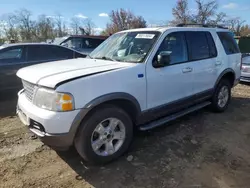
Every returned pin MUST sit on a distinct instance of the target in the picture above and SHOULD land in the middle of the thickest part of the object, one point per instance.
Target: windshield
(126, 47)
(59, 40)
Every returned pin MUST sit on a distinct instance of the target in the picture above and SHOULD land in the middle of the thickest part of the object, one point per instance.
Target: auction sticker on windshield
(144, 36)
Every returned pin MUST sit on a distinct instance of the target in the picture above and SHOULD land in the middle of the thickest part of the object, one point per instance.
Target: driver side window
(175, 45)
(11, 55)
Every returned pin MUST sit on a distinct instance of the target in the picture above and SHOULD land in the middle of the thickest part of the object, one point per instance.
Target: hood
(52, 73)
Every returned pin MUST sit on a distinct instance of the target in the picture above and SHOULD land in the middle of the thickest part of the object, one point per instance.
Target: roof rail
(201, 25)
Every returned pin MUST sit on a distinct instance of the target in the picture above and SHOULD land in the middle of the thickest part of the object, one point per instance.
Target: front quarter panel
(130, 80)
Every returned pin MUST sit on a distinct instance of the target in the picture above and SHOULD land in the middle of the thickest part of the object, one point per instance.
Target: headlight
(54, 101)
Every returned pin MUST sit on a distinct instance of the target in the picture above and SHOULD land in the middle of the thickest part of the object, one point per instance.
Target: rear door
(232, 58)
(11, 59)
(202, 53)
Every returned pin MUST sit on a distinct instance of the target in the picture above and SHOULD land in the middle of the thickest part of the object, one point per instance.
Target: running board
(172, 117)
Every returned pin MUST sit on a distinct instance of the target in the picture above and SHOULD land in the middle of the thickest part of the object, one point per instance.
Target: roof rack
(201, 25)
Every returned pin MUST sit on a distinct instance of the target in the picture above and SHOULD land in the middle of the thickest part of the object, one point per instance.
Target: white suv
(137, 78)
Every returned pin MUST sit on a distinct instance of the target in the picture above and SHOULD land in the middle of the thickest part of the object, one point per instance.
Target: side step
(172, 117)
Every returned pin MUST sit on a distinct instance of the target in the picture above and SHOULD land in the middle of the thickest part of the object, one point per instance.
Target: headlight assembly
(54, 101)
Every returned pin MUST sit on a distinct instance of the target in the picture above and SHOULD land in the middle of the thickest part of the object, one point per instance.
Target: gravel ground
(201, 150)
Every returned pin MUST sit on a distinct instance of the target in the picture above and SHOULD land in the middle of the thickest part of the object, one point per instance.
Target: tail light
(241, 62)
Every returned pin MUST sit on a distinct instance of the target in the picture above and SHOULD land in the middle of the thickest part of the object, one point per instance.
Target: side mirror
(64, 44)
(163, 59)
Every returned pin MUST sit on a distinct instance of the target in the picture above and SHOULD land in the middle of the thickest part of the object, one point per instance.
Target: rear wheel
(105, 135)
(222, 96)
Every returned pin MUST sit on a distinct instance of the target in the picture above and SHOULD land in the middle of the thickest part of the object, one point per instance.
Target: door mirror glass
(163, 59)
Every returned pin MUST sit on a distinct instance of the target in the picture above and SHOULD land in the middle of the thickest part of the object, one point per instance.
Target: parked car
(16, 56)
(82, 43)
(245, 70)
(139, 78)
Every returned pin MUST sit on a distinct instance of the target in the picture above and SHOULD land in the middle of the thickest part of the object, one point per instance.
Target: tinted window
(175, 45)
(61, 52)
(228, 42)
(73, 43)
(12, 54)
(198, 45)
(211, 44)
(91, 43)
(37, 53)
(82, 43)
(47, 52)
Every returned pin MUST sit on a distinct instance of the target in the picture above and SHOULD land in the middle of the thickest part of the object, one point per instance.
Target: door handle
(187, 69)
(218, 63)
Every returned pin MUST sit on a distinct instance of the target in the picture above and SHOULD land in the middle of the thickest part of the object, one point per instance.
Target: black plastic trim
(228, 70)
(173, 107)
(167, 119)
(113, 96)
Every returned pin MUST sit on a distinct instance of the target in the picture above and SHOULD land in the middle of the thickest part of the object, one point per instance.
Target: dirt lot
(201, 150)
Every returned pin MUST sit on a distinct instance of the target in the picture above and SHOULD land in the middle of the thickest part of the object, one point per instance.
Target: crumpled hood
(52, 73)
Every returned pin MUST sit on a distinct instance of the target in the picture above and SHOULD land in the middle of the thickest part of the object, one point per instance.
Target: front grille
(29, 89)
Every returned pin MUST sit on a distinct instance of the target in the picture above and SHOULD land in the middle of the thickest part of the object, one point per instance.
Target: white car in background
(245, 70)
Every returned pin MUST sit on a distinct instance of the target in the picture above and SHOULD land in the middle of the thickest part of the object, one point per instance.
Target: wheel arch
(123, 100)
(226, 74)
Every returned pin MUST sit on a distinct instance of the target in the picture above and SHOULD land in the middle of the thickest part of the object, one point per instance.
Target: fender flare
(95, 102)
(113, 96)
(228, 70)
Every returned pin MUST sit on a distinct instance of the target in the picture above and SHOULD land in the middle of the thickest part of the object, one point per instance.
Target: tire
(91, 135)
(216, 105)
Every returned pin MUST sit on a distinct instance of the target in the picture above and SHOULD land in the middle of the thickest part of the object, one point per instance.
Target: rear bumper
(245, 77)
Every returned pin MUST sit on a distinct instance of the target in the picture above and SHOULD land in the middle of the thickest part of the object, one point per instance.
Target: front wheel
(105, 135)
(222, 96)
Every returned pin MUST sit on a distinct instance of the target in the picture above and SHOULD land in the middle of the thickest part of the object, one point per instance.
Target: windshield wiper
(105, 58)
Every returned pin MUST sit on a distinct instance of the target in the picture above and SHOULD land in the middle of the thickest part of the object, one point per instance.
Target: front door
(174, 82)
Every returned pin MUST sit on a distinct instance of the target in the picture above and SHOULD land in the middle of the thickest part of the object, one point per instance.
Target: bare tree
(75, 24)
(245, 30)
(45, 28)
(206, 11)
(10, 27)
(220, 19)
(25, 25)
(59, 24)
(89, 27)
(236, 24)
(181, 12)
(122, 19)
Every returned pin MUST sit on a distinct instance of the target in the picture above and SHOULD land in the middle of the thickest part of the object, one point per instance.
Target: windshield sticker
(145, 36)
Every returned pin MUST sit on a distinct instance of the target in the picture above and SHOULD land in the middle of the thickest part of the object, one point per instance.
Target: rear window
(229, 43)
